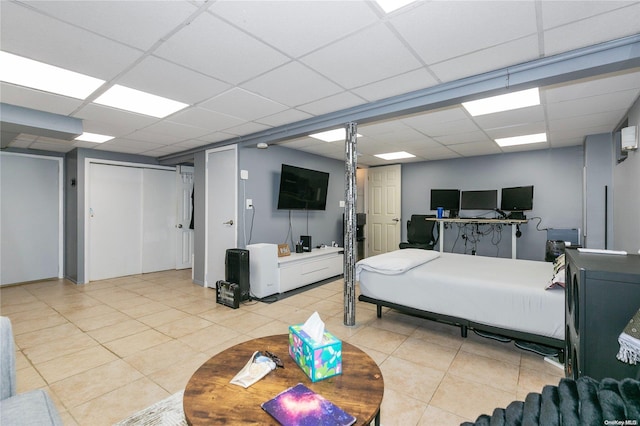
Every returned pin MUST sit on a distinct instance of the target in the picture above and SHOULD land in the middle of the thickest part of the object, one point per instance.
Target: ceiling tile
(177, 129)
(296, 28)
(529, 147)
(162, 78)
(608, 26)
(425, 121)
(116, 121)
(130, 22)
(594, 86)
(398, 84)
(355, 60)
(329, 104)
(285, 117)
(602, 120)
(506, 119)
(38, 100)
(131, 145)
(557, 13)
(155, 137)
(445, 128)
(471, 137)
(475, 148)
(518, 130)
(243, 104)
(595, 104)
(219, 50)
(293, 84)
(246, 129)
(205, 119)
(35, 36)
(503, 55)
(469, 26)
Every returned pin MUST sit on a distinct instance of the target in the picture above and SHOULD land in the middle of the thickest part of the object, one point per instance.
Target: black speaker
(237, 270)
(306, 242)
(601, 296)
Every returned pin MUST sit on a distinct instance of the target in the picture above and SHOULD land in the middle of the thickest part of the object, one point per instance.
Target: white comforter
(505, 293)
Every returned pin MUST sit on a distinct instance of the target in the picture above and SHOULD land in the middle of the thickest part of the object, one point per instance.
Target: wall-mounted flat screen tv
(517, 198)
(302, 189)
(479, 200)
(448, 199)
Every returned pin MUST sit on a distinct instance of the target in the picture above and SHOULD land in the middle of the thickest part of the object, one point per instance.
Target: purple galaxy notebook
(300, 406)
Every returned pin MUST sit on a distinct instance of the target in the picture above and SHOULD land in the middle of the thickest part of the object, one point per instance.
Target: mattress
(504, 293)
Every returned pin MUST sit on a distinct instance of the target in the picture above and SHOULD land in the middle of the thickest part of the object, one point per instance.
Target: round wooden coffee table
(209, 398)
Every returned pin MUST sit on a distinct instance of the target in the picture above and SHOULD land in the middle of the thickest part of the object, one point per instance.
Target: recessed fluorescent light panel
(522, 140)
(395, 155)
(333, 135)
(137, 101)
(509, 101)
(93, 137)
(390, 5)
(37, 75)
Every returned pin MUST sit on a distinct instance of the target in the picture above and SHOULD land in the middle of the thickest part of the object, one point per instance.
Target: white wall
(626, 196)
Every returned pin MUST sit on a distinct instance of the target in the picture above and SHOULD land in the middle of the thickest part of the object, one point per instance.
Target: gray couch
(28, 408)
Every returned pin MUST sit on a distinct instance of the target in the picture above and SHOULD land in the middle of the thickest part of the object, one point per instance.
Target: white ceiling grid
(248, 66)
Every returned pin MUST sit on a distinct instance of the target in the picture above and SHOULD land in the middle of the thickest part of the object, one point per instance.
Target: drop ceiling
(249, 67)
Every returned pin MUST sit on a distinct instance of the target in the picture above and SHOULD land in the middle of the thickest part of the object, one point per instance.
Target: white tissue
(314, 327)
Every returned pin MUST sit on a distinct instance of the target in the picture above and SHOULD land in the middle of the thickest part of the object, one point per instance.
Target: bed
(505, 297)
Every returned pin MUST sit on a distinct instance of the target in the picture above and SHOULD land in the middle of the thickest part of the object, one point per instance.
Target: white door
(158, 220)
(184, 234)
(131, 220)
(30, 218)
(384, 221)
(221, 210)
(115, 221)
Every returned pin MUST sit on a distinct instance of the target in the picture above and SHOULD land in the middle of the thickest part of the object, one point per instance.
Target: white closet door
(115, 221)
(159, 220)
(30, 218)
(222, 215)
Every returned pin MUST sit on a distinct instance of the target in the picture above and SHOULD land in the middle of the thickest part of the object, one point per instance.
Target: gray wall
(271, 225)
(555, 173)
(626, 197)
(199, 237)
(598, 161)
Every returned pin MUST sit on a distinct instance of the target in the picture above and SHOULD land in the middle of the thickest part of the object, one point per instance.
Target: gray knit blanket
(581, 402)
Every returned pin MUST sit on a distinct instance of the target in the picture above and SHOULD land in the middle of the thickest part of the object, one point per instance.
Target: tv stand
(271, 274)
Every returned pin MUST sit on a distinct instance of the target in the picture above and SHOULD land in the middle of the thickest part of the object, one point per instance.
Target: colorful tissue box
(318, 360)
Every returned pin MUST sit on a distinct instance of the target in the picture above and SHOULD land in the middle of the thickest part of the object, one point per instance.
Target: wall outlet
(244, 174)
(249, 203)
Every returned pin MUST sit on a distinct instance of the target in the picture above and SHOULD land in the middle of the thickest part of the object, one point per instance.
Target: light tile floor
(110, 348)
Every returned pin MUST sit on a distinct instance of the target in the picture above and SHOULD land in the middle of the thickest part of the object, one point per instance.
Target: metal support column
(350, 194)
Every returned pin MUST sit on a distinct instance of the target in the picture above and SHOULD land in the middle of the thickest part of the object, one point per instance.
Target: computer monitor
(448, 199)
(479, 200)
(518, 198)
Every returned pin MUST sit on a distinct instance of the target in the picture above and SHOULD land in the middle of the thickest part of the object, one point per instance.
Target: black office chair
(420, 233)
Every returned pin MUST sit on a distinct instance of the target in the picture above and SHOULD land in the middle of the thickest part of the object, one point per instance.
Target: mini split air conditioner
(629, 138)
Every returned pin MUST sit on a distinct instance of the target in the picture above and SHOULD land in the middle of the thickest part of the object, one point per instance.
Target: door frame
(180, 171)
(60, 161)
(234, 179)
(87, 190)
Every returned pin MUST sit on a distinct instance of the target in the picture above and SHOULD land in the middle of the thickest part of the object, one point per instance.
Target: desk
(209, 398)
(480, 222)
